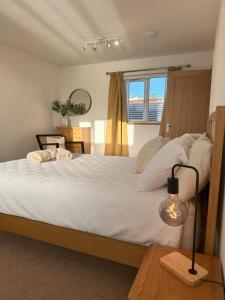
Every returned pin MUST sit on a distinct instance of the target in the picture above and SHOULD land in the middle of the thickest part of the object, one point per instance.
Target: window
(145, 98)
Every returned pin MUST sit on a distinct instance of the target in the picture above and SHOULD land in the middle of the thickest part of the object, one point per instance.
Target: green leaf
(68, 108)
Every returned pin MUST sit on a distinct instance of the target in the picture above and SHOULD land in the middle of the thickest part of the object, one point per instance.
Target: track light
(101, 41)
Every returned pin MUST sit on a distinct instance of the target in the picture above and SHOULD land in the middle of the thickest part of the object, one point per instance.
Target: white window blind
(145, 98)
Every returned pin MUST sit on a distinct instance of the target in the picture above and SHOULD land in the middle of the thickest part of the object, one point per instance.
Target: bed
(91, 204)
(95, 194)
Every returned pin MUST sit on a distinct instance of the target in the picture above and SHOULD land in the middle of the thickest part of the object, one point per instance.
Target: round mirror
(81, 97)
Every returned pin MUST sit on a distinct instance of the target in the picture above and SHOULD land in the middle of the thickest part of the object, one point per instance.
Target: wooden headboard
(215, 130)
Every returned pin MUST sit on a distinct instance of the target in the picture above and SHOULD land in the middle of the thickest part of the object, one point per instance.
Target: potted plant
(68, 109)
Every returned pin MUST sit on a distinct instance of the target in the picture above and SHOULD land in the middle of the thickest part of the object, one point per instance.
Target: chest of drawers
(76, 134)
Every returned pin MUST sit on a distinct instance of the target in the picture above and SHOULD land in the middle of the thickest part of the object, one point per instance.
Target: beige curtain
(162, 129)
(116, 132)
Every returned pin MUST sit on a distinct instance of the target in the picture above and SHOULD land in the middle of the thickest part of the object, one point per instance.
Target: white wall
(27, 86)
(93, 79)
(218, 95)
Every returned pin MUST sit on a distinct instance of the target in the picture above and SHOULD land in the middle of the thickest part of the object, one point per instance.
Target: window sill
(144, 123)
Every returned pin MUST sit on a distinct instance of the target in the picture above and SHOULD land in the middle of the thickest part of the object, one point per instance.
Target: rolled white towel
(36, 157)
(52, 153)
(63, 154)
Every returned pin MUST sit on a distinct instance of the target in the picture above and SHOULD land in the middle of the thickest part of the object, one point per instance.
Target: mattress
(91, 193)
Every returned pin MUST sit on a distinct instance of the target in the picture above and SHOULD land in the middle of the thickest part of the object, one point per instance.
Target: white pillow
(147, 152)
(187, 140)
(200, 158)
(159, 168)
(59, 140)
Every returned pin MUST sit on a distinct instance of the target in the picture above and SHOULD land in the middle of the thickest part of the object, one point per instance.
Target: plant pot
(66, 121)
(69, 121)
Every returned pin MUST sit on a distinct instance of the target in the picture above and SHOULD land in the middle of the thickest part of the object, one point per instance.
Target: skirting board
(103, 247)
(178, 264)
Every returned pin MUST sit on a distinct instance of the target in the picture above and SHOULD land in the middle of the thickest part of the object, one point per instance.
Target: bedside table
(153, 282)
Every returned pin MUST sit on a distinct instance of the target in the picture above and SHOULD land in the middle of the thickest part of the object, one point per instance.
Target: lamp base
(179, 265)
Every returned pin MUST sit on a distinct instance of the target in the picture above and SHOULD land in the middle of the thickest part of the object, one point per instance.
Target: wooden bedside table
(153, 282)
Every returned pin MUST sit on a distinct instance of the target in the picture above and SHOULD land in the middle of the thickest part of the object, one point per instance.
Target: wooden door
(188, 98)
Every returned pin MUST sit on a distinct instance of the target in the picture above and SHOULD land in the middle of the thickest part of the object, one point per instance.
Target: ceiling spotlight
(116, 43)
(94, 46)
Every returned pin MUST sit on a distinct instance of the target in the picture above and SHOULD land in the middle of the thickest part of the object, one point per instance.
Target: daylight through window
(145, 98)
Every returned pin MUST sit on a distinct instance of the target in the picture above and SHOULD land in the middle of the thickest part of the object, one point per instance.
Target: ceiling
(56, 30)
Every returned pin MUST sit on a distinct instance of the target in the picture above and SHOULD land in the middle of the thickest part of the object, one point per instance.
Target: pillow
(187, 140)
(159, 168)
(147, 152)
(51, 139)
(200, 158)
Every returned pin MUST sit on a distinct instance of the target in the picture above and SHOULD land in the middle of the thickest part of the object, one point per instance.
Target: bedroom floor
(34, 270)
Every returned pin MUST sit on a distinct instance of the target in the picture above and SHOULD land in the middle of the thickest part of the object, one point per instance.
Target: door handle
(168, 127)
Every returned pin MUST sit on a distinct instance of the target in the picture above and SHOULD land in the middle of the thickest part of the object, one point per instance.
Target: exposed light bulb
(108, 44)
(116, 43)
(173, 211)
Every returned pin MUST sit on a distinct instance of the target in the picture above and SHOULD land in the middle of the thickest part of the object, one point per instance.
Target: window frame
(145, 78)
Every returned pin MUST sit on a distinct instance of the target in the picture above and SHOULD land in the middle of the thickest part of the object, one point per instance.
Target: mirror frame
(70, 96)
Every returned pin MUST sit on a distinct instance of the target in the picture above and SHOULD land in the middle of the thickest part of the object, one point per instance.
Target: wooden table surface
(153, 282)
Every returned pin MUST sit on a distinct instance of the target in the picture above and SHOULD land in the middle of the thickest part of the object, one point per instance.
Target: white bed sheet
(95, 194)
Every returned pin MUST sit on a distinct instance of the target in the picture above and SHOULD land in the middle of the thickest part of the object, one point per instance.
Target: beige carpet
(34, 270)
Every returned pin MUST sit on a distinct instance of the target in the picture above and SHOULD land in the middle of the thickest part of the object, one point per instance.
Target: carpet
(31, 270)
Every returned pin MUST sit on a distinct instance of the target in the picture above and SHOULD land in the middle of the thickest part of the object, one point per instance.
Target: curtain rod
(150, 69)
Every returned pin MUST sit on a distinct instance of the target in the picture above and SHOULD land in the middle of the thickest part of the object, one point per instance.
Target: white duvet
(95, 194)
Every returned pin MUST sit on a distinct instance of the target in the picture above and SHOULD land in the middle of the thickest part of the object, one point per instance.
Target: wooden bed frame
(115, 250)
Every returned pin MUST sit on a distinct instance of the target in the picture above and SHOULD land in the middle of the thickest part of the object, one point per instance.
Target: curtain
(162, 129)
(116, 131)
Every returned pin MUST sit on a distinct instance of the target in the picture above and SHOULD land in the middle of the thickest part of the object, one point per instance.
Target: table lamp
(174, 212)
